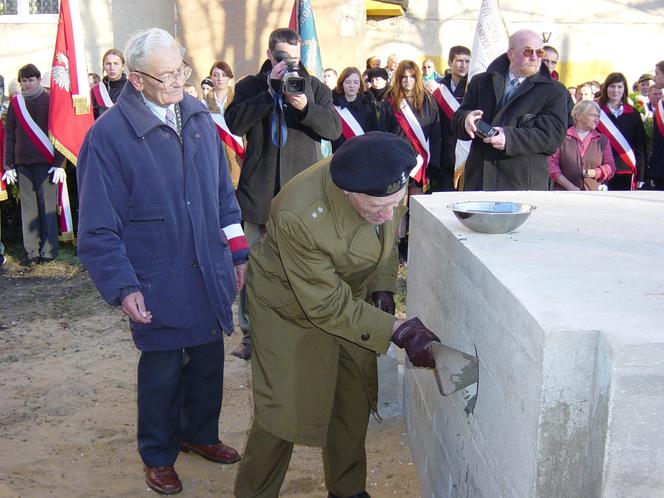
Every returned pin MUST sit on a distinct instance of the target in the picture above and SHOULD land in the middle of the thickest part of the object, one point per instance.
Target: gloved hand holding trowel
(416, 339)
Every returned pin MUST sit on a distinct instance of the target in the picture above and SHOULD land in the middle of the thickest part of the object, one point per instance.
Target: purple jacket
(151, 210)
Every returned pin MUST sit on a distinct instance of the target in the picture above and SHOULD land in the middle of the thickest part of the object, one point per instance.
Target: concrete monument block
(567, 315)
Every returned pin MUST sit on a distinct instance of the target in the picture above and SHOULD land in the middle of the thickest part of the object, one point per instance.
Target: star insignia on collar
(314, 215)
(320, 210)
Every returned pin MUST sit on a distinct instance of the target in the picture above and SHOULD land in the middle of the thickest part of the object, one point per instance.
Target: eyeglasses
(528, 52)
(183, 73)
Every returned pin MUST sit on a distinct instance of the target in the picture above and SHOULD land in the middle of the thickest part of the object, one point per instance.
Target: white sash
(419, 134)
(619, 141)
(233, 141)
(102, 93)
(349, 120)
(35, 133)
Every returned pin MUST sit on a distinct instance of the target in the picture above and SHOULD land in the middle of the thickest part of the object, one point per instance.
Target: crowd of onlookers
(385, 97)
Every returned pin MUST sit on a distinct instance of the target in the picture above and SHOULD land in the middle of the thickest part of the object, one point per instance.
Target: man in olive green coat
(330, 249)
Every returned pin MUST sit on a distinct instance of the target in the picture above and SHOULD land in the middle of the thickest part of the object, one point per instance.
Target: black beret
(376, 164)
(378, 72)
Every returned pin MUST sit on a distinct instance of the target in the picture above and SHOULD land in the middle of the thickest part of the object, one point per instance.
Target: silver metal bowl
(492, 216)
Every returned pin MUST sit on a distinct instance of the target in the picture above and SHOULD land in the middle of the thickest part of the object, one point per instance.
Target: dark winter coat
(448, 139)
(534, 120)
(266, 167)
(656, 162)
(363, 109)
(151, 209)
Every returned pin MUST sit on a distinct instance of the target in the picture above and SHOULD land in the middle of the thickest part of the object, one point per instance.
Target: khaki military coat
(309, 282)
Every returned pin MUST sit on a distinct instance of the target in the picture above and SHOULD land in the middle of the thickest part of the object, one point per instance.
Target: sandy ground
(68, 403)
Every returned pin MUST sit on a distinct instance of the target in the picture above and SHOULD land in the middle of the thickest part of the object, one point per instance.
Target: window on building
(43, 6)
(8, 7)
(28, 11)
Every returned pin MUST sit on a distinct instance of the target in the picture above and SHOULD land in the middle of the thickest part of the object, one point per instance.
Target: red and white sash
(349, 125)
(32, 129)
(413, 131)
(447, 102)
(233, 141)
(619, 143)
(101, 95)
(659, 117)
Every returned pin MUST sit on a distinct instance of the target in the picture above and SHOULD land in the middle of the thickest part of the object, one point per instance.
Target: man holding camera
(516, 115)
(283, 129)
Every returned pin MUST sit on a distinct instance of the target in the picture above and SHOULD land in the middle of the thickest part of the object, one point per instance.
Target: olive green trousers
(266, 456)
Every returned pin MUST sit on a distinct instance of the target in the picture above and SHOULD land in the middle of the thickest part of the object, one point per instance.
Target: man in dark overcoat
(321, 305)
(159, 233)
(518, 97)
(283, 132)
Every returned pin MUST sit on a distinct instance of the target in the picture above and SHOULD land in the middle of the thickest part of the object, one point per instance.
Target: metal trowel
(455, 370)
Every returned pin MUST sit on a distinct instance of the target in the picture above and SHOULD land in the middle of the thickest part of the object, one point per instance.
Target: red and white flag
(70, 113)
(619, 144)
(350, 128)
(233, 141)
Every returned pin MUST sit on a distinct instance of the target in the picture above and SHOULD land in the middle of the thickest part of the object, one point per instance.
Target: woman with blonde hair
(584, 160)
(409, 112)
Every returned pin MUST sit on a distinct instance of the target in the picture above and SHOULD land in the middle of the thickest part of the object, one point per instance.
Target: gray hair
(582, 107)
(142, 43)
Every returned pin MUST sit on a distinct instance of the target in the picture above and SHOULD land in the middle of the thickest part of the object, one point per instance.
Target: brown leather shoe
(163, 479)
(243, 351)
(220, 452)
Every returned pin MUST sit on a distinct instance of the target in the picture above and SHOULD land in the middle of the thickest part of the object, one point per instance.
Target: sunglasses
(528, 52)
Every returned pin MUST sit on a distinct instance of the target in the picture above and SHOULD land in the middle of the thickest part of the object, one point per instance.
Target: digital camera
(291, 82)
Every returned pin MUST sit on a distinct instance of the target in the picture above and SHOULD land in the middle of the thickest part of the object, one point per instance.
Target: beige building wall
(237, 31)
(594, 38)
(33, 42)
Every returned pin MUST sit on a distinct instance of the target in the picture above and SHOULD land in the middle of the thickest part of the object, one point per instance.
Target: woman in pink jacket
(584, 161)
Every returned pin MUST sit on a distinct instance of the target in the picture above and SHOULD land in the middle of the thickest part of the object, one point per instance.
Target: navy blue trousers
(179, 398)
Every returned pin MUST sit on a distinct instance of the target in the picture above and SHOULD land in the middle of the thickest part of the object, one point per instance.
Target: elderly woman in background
(356, 108)
(584, 161)
(217, 101)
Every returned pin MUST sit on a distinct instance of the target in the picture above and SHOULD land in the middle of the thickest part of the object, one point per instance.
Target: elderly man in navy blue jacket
(159, 233)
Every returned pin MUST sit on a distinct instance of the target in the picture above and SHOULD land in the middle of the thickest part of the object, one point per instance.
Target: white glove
(59, 174)
(10, 177)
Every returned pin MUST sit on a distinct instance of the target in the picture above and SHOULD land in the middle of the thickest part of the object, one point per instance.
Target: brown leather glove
(384, 300)
(416, 339)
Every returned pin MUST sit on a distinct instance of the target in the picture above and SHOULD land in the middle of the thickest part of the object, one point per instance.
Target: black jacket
(114, 88)
(448, 139)
(363, 109)
(656, 162)
(266, 167)
(534, 120)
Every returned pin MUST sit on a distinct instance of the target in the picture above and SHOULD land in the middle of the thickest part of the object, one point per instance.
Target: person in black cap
(321, 286)
(379, 83)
